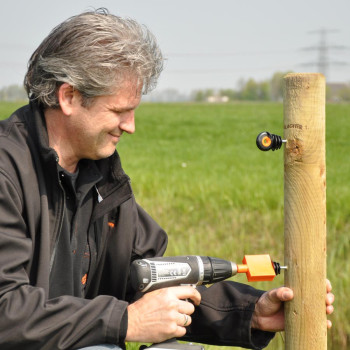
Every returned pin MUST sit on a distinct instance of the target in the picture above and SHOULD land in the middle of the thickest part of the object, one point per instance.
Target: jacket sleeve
(28, 319)
(224, 317)
(151, 239)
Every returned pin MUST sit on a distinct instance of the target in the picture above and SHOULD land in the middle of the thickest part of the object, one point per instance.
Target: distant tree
(337, 92)
(250, 91)
(202, 95)
(13, 93)
(230, 93)
(264, 91)
(198, 96)
(329, 94)
(344, 94)
(241, 84)
(276, 86)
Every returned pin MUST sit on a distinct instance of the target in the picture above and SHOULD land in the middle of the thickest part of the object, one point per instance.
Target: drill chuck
(216, 270)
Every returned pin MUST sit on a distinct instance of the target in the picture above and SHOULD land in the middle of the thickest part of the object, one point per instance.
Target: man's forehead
(128, 97)
(129, 87)
(130, 81)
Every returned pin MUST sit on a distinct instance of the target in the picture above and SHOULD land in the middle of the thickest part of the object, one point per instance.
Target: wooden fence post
(305, 211)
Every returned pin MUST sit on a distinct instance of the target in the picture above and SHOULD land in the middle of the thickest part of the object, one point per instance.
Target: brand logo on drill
(171, 270)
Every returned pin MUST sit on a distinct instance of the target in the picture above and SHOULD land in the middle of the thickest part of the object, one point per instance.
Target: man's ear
(65, 97)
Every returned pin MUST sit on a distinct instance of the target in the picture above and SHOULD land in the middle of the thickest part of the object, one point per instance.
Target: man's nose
(127, 123)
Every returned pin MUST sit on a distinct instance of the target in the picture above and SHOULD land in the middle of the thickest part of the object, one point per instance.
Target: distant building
(217, 99)
(166, 95)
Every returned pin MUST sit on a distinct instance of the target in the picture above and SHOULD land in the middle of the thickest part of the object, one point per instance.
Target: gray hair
(93, 52)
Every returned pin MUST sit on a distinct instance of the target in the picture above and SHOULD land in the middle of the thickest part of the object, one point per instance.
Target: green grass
(196, 169)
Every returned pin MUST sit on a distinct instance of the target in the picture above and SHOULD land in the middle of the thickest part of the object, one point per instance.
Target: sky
(207, 44)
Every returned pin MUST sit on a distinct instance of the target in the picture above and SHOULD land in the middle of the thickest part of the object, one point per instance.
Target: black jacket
(32, 204)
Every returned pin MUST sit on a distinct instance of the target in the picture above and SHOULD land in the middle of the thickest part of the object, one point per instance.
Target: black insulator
(277, 267)
(276, 142)
(266, 141)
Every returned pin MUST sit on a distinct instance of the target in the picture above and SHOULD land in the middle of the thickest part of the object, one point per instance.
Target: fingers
(329, 301)
(184, 320)
(268, 314)
(187, 292)
(329, 309)
(187, 320)
(161, 314)
(186, 307)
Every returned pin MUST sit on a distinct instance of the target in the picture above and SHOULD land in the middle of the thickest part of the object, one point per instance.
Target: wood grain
(305, 210)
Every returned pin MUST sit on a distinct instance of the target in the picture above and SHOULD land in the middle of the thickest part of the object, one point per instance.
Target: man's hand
(161, 314)
(269, 313)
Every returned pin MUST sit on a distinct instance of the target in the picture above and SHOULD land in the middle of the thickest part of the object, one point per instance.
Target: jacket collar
(110, 168)
(37, 126)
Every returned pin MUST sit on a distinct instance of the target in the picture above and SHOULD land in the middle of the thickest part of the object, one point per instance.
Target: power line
(227, 54)
(323, 63)
(226, 70)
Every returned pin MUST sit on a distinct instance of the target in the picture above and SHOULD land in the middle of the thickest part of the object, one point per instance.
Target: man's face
(96, 130)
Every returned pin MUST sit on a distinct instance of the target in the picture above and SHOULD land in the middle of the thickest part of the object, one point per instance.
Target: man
(70, 226)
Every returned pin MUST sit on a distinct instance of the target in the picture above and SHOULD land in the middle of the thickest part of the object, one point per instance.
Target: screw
(277, 267)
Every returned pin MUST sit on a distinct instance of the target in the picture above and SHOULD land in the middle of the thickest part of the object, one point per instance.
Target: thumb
(268, 314)
(272, 299)
(280, 294)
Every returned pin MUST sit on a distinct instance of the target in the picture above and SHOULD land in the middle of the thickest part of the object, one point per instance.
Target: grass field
(197, 170)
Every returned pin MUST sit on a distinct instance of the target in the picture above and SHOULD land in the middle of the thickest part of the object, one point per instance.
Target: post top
(304, 76)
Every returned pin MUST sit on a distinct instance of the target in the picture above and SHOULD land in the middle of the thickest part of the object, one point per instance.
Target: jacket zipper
(99, 197)
(57, 235)
(104, 236)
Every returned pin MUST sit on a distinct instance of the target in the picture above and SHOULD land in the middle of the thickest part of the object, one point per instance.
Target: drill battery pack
(172, 344)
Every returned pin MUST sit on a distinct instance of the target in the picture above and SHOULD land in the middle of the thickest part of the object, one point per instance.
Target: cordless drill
(155, 273)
